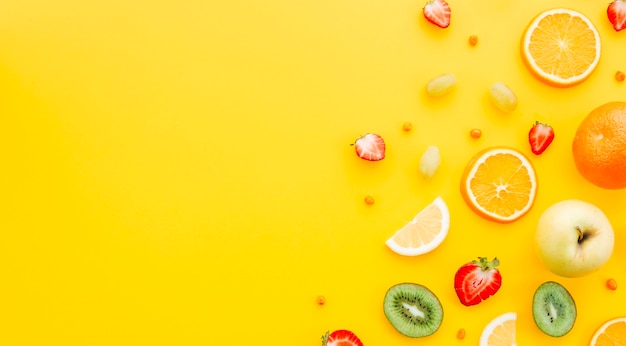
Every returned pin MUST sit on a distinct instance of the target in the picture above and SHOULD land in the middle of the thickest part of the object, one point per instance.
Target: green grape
(503, 97)
(430, 160)
(440, 85)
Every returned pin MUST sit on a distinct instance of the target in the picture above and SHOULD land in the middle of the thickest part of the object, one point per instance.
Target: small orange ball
(473, 40)
(369, 200)
(407, 126)
(620, 76)
(611, 284)
(321, 300)
(476, 133)
(460, 334)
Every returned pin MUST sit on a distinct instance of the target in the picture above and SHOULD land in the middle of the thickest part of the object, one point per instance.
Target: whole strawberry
(370, 147)
(477, 280)
(617, 14)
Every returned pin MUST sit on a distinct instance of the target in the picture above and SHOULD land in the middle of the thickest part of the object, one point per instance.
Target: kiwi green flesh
(413, 310)
(554, 309)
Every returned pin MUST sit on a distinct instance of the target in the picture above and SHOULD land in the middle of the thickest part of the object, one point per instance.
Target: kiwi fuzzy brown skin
(413, 310)
(554, 309)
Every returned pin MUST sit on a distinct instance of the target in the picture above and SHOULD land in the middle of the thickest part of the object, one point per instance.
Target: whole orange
(599, 146)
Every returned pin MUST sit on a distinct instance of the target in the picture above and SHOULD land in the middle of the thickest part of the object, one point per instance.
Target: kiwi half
(413, 310)
(554, 310)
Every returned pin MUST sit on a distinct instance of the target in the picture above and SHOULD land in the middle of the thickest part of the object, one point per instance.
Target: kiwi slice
(554, 309)
(413, 310)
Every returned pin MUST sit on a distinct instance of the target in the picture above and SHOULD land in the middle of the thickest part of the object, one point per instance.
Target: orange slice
(424, 233)
(561, 47)
(500, 331)
(611, 333)
(499, 184)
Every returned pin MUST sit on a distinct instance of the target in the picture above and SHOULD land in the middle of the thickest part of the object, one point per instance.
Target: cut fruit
(424, 233)
(413, 310)
(477, 280)
(499, 184)
(341, 337)
(561, 47)
(554, 309)
(500, 331)
(611, 333)
(370, 147)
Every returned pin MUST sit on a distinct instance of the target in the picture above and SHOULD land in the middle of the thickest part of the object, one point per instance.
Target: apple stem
(581, 236)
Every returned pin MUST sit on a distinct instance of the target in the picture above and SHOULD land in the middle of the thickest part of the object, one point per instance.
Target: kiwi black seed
(413, 309)
(554, 309)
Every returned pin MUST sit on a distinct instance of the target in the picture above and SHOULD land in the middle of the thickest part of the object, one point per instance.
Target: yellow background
(179, 172)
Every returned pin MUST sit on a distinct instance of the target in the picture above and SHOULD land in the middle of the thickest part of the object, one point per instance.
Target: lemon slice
(500, 331)
(424, 233)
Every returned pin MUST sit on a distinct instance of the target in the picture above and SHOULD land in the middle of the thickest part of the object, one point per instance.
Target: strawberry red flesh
(370, 147)
(438, 12)
(477, 280)
(341, 337)
(617, 14)
(540, 137)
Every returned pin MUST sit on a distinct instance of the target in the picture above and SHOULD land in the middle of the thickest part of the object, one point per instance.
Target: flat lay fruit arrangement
(561, 48)
(343, 172)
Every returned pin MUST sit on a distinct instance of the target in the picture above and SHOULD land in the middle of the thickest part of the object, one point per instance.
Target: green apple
(574, 238)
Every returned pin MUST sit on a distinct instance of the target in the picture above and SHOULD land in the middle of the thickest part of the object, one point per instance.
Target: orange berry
(407, 126)
(460, 334)
(473, 40)
(369, 200)
(620, 76)
(476, 133)
(611, 284)
(321, 300)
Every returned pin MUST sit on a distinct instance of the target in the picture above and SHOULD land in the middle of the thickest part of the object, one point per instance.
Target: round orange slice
(499, 184)
(424, 233)
(611, 333)
(561, 47)
(500, 331)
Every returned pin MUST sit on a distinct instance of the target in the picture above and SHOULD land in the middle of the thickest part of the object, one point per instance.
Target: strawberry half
(540, 137)
(477, 280)
(617, 14)
(438, 12)
(341, 337)
(370, 147)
